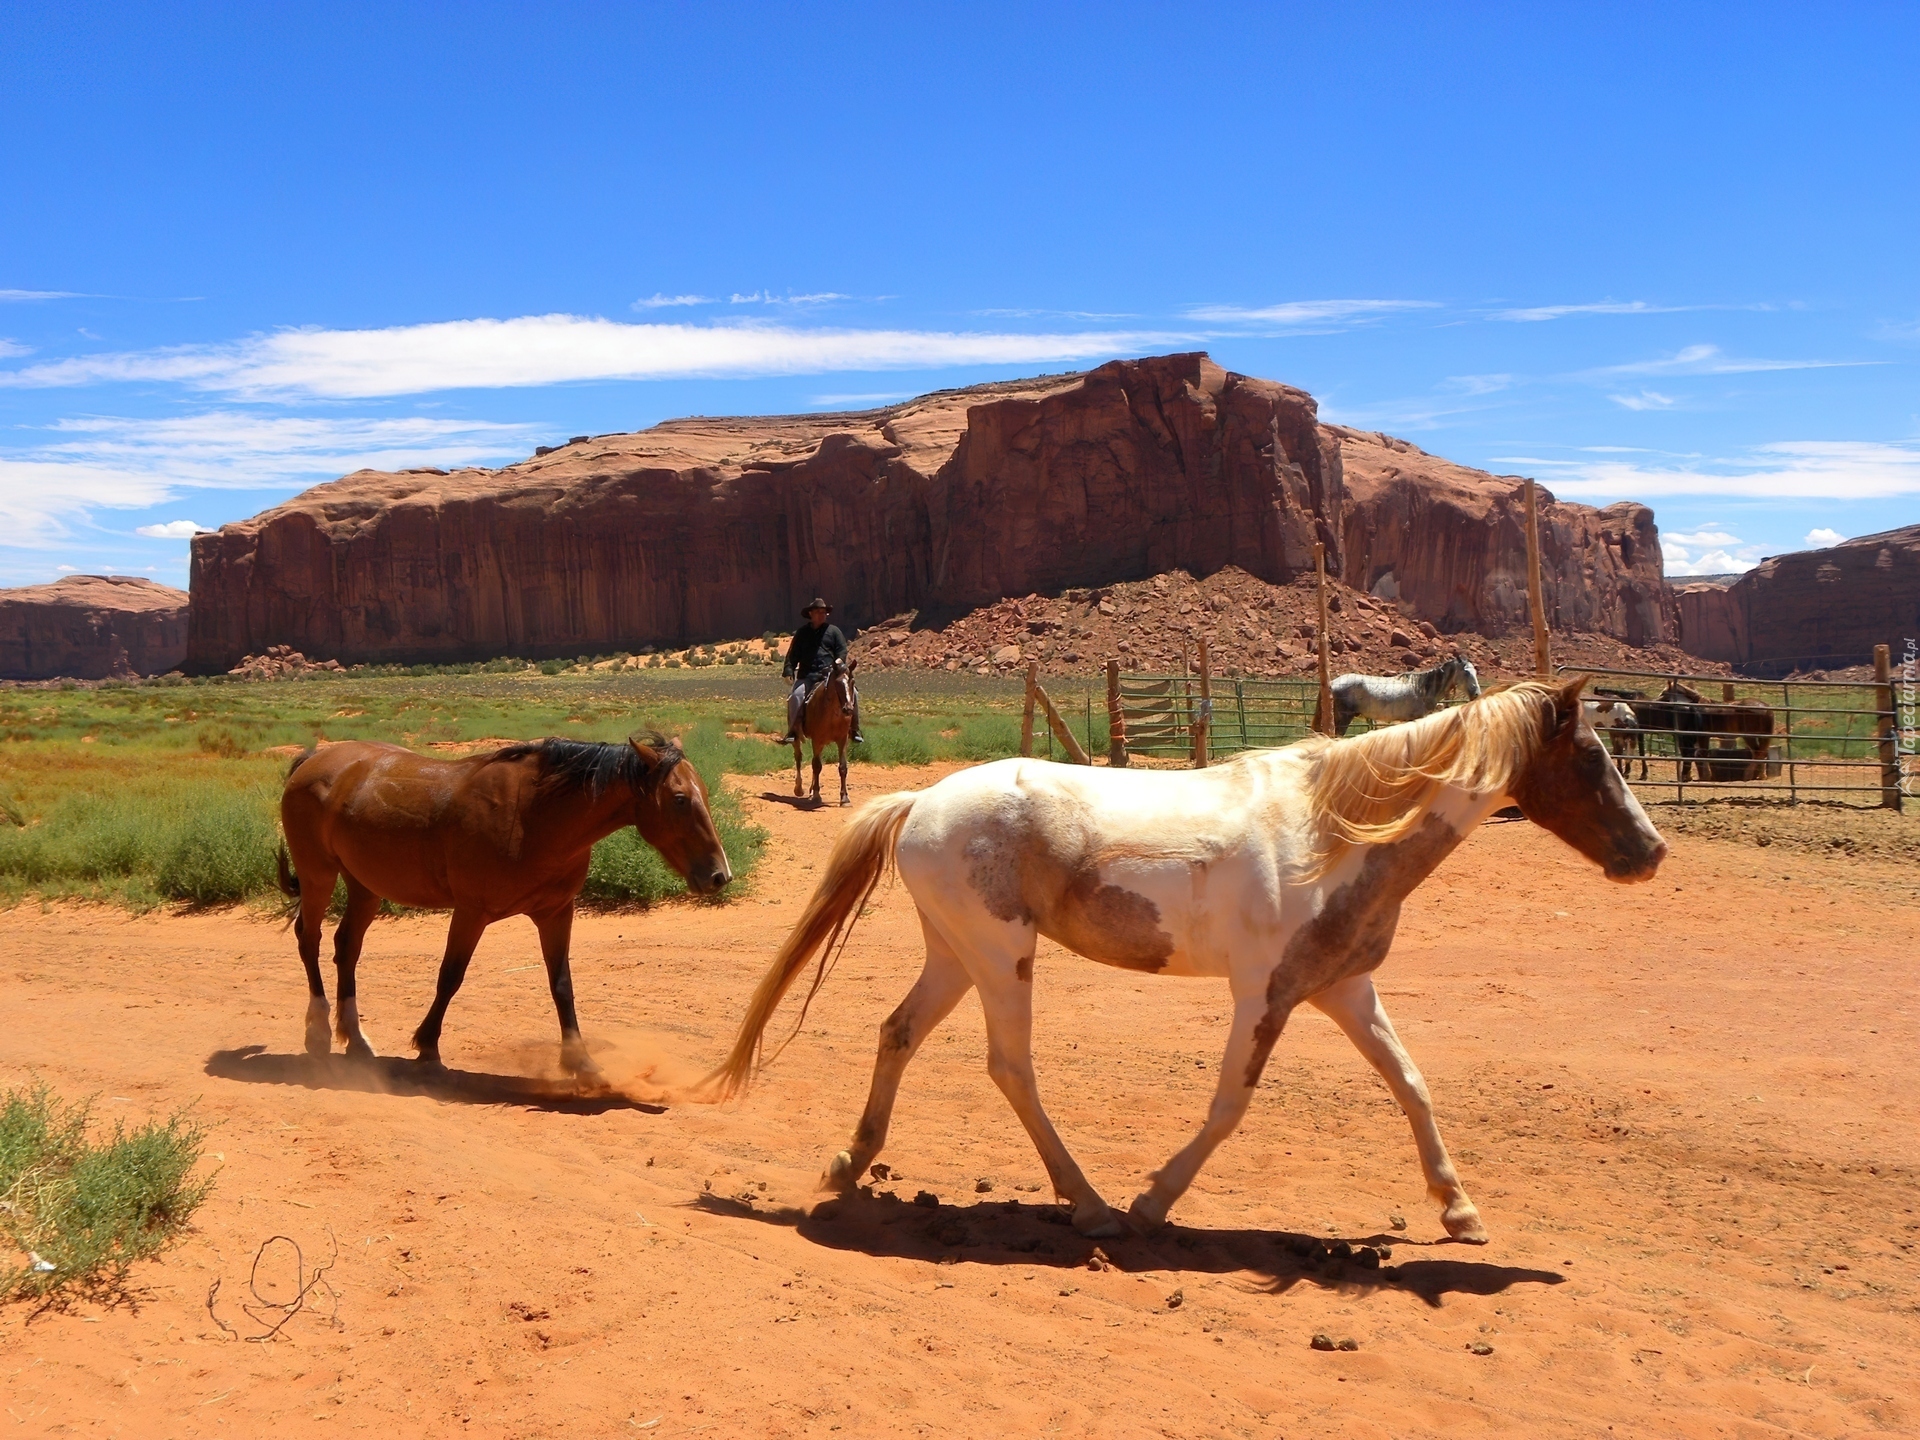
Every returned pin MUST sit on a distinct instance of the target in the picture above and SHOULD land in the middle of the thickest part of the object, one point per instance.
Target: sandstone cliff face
(701, 529)
(1451, 544)
(91, 627)
(1813, 609)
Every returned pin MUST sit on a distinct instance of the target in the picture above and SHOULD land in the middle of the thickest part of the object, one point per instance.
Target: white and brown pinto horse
(1282, 871)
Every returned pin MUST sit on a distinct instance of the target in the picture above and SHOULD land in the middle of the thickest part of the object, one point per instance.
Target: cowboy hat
(816, 604)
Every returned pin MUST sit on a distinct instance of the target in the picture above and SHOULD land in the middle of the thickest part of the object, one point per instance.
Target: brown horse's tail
(289, 882)
(861, 858)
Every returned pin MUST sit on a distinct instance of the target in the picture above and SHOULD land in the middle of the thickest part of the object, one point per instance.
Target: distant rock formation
(711, 528)
(92, 627)
(708, 529)
(1450, 544)
(1812, 609)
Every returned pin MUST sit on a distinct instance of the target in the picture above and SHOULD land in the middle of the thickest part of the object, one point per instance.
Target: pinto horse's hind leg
(943, 980)
(463, 934)
(348, 936)
(316, 892)
(1239, 1073)
(1354, 1005)
(556, 937)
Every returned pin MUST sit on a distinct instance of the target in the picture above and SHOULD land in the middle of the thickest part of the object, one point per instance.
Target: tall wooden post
(1889, 752)
(1026, 715)
(1203, 722)
(1116, 719)
(1542, 651)
(1323, 707)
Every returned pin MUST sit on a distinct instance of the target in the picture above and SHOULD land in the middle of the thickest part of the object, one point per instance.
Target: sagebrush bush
(78, 1214)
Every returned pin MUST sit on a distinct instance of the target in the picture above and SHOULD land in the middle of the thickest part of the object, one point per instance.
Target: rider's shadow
(1013, 1233)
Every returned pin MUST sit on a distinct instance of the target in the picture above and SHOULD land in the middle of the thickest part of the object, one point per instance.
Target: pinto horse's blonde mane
(1375, 788)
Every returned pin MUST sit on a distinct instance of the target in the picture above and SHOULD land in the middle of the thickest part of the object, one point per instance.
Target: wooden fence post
(1061, 730)
(1889, 753)
(1323, 707)
(1203, 722)
(1542, 649)
(1026, 716)
(1116, 719)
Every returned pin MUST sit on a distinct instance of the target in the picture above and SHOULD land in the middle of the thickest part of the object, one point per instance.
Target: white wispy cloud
(658, 301)
(11, 348)
(1706, 538)
(1532, 314)
(1788, 470)
(557, 349)
(1820, 537)
(1307, 313)
(1711, 360)
(171, 530)
(49, 488)
(11, 295)
(1645, 400)
(767, 297)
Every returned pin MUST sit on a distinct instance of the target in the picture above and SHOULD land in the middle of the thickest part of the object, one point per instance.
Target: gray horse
(1400, 697)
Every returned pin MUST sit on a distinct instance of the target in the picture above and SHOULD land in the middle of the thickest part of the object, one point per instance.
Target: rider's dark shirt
(813, 651)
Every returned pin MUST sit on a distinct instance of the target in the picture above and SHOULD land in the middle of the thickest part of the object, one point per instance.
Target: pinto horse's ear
(1563, 708)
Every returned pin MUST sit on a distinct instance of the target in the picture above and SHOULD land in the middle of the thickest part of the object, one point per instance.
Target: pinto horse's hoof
(1463, 1224)
(1146, 1213)
(1097, 1221)
(841, 1175)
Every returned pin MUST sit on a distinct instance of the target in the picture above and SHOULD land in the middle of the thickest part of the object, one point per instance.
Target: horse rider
(810, 656)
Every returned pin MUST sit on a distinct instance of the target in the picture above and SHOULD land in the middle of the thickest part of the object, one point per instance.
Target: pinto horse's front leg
(1239, 1073)
(1354, 1005)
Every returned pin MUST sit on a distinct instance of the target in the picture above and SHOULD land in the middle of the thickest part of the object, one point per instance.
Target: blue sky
(1663, 253)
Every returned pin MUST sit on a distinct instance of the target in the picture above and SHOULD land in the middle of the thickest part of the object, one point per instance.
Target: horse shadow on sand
(1016, 1233)
(391, 1075)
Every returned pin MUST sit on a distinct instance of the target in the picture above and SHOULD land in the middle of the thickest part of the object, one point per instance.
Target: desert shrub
(222, 850)
(221, 740)
(77, 1214)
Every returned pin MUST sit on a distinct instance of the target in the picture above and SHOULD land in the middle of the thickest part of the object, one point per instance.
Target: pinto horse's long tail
(861, 858)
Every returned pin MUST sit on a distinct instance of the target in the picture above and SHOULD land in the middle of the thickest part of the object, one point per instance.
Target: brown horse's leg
(348, 936)
(817, 759)
(843, 772)
(462, 935)
(556, 935)
(316, 892)
(799, 758)
(942, 983)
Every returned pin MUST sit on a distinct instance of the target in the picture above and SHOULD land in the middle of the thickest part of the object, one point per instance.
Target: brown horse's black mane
(593, 765)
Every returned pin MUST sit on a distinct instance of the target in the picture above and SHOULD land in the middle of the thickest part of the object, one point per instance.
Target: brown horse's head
(840, 686)
(1569, 786)
(670, 812)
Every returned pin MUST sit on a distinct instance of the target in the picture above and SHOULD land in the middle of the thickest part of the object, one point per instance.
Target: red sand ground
(1685, 1111)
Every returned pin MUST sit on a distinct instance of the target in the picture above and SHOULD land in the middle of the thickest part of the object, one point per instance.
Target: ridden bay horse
(1282, 871)
(826, 719)
(489, 836)
(1400, 697)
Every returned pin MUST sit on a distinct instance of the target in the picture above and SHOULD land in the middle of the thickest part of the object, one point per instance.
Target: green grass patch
(77, 1212)
(168, 791)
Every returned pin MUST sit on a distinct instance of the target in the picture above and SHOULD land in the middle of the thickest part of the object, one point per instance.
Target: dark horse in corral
(826, 719)
(489, 836)
(1695, 723)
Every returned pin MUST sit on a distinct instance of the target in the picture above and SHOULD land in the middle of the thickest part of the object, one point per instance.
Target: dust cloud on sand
(1682, 1109)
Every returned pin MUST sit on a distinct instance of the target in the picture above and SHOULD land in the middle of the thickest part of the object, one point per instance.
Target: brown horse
(826, 720)
(490, 836)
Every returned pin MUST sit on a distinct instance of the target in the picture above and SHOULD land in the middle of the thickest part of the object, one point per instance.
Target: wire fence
(1690, 736)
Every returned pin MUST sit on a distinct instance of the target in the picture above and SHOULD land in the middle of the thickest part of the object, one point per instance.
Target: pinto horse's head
(1470, 675)
(1569, 786)
(670, 812)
